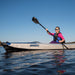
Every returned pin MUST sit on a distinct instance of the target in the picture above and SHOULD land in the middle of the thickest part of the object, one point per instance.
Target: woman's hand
(61, 41)
(47, 30)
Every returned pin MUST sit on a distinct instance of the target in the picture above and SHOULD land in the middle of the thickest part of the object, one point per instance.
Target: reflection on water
(59, 60)
(45, 62)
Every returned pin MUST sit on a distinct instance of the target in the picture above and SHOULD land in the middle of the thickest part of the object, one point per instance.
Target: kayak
(14, 47)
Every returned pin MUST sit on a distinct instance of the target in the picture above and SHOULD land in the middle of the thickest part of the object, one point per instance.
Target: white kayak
(20, 47)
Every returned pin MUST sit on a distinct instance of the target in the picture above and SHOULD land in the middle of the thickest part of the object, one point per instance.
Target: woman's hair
(57, 27)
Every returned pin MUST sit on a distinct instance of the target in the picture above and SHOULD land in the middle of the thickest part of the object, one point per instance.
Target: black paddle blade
(35, 20)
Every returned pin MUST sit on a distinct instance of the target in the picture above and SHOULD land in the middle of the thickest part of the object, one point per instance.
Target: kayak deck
(37, 46)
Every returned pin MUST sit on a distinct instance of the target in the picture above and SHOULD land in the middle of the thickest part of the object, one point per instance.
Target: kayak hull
(30, 47)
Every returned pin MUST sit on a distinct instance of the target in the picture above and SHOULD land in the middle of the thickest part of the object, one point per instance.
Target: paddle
(37, 22)
(65, 46)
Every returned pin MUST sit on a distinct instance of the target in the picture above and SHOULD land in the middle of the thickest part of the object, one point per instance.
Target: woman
(57, 37)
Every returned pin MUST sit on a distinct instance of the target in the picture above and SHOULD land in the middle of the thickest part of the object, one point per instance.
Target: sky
(16, 19)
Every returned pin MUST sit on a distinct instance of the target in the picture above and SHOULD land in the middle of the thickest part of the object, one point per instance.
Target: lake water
(41, 62)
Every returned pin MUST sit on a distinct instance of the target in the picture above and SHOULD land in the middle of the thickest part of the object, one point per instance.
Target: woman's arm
(49, 32)
(61, 40)
(61, 36)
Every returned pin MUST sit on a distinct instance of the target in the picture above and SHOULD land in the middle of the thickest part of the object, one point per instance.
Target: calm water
(45, 62)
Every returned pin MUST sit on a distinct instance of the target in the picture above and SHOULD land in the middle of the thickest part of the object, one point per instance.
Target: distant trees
(70, 42)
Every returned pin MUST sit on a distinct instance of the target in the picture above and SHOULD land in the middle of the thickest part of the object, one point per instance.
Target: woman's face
(57, 30)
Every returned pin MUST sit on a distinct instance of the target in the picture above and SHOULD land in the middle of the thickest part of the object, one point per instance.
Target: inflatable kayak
(13, 47)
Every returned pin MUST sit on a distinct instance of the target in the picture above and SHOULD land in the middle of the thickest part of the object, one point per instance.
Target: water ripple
(45, 62)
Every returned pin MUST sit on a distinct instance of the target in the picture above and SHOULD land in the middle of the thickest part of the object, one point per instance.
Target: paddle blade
(35, 20)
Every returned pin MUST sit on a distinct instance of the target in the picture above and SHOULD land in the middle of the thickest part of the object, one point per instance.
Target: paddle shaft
(65, 46)
(43, 27)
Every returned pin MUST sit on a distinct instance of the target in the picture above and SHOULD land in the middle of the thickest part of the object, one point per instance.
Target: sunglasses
(56, 29)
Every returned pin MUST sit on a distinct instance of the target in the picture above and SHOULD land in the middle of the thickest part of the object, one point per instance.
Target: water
(44, 62)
